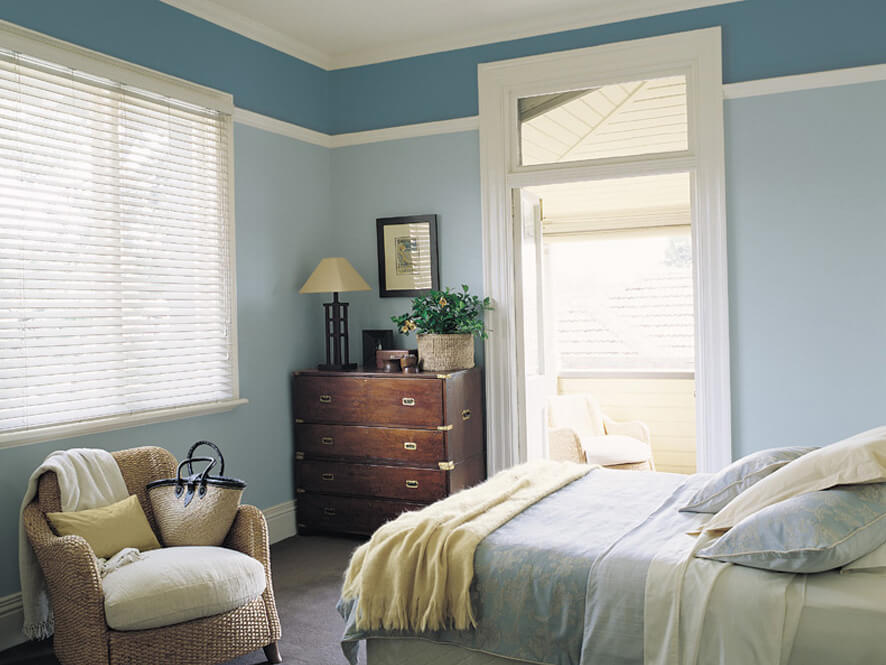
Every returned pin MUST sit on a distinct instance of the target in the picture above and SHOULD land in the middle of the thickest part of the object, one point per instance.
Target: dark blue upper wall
(761, 39)
(156, 35)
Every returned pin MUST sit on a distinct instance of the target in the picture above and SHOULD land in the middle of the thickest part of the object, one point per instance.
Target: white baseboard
(281, 525)
(281, 521)
(11, 620)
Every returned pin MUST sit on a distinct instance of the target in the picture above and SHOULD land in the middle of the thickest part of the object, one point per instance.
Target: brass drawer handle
(325, 399)
(409, 445)
(327, 476)
(326, 440)
(408, 401)
(329, 511)
(412, 484)
(466, 414)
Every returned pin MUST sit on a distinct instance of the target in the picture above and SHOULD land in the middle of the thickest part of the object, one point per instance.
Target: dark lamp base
(337, 368)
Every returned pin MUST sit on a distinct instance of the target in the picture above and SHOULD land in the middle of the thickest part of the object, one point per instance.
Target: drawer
(409, 446)
(376, 401)
(348, 515)
(374, 480)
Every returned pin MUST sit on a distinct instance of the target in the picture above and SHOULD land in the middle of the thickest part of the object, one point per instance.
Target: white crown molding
(610, 13)
(293, 131)
(613, 12)
(467, 124)
(281, 525)
(255, 30)
(827, 79)
(282, 127)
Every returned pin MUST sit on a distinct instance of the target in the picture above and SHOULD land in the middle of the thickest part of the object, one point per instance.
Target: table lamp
(335, 275)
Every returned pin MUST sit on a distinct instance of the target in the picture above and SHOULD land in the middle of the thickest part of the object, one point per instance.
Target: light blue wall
(430, 175)
(807, 250)
(807, 241)
(761, 38)
(282, 214)
(156, 35)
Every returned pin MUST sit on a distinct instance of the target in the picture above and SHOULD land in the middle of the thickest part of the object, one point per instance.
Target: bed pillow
(810, 533)
(875, 561)
(724, 486)
(858, 459)
(108, 529)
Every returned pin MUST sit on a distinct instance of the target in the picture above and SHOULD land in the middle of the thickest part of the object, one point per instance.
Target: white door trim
(698, 55)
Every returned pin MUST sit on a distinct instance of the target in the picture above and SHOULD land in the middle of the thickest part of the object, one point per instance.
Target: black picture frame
(396, 256)
(371, 341)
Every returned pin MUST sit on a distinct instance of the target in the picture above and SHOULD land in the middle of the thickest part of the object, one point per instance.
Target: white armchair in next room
(579, 431)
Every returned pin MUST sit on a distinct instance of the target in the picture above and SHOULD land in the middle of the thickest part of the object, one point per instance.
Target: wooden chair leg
(272, 653)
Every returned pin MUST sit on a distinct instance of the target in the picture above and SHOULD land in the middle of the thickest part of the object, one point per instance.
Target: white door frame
(697, 54)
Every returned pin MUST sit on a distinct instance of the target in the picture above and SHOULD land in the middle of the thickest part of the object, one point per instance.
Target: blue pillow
(809, 533)
(727, 484)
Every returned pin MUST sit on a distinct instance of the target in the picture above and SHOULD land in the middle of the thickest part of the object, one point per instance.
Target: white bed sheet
(842, 622)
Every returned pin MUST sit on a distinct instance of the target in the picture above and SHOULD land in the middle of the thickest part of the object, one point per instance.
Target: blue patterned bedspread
(563, 582)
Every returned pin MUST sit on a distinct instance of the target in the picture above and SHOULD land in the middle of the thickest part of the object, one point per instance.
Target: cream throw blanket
(416, 571)
(87, 478)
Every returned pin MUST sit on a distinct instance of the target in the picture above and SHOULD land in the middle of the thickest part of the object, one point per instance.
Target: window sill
(623, 374)
(83, 427)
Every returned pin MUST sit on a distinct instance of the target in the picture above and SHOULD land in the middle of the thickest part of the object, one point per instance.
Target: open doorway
(607, 306)
(648, 107)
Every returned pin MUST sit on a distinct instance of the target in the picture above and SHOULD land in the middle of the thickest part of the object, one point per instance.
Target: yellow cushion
(108, 529)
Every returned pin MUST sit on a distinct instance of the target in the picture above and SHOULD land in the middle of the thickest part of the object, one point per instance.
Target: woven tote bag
(197, 509)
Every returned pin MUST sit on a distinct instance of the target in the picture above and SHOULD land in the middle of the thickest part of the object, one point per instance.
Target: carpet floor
(307, 575)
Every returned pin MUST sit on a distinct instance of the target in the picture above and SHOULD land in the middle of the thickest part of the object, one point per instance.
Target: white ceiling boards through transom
(346, 33)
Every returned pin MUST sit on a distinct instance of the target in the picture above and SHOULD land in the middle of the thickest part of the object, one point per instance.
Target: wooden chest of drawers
(371, 445)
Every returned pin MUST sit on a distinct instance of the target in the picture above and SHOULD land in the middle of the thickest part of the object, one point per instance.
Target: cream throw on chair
(87, 478)
(578, 430)
(416, 571)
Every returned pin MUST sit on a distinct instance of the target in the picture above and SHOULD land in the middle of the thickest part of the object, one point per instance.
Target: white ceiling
(344, 33)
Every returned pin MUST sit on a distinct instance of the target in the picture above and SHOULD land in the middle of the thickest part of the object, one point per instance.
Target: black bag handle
(193, 480)
(178, 475)
(221, 458)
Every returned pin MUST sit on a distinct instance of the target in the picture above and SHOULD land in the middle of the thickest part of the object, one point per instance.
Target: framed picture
(375, 340)
(407, 255)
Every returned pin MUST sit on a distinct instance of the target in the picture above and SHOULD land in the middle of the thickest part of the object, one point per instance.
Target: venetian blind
(115, 241)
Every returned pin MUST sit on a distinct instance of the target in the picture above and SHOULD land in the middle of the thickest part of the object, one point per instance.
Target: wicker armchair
(82, 636)
(579, 431)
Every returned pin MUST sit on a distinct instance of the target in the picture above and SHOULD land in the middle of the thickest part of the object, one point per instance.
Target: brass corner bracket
(446, 466)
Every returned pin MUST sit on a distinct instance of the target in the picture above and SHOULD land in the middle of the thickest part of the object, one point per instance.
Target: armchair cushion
(615, 449)
(177, 584)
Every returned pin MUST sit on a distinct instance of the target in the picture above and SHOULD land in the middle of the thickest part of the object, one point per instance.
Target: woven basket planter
(441, 353)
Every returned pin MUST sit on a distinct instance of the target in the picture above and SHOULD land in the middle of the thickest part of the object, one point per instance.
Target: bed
(602, 572)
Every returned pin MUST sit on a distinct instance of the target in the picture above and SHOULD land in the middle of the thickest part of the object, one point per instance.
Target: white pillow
(858, 459)
(876, 560)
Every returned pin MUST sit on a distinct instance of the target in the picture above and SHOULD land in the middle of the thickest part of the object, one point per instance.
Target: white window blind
(116, 280)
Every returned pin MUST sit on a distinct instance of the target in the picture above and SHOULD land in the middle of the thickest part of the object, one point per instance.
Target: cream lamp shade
(334, 275)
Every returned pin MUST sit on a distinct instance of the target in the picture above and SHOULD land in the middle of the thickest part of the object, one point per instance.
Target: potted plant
(445, 323)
